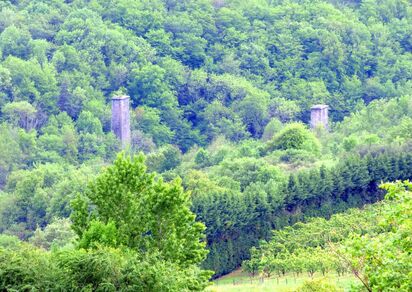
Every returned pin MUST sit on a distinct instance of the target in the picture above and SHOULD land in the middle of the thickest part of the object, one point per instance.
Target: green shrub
(318, 285)
(295, 136)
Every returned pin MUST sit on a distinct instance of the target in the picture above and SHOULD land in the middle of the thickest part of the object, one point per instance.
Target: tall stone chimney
(319, 116)
(121, 119)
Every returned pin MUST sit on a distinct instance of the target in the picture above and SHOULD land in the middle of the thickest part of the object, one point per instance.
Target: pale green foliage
(10, 151)
(55, 235)
(271, 129)
(202, 157)
(381, 122)
(248, 170)
(148, 120)
(283, 109)
(15, 41)
(34, 197)
(164, 159)
(9, 241)
(88, 123)
(20, 113)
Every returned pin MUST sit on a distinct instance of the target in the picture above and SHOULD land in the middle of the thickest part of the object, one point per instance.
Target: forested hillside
(195, 70)
(221, 92)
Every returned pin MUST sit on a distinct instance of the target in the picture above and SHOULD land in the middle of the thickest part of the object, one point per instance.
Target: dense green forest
(220, 93)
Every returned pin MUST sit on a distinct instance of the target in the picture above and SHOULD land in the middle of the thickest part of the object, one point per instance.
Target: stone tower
(121, 119)
(319, 116)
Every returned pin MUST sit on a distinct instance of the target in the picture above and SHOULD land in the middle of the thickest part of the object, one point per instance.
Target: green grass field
(239, 281)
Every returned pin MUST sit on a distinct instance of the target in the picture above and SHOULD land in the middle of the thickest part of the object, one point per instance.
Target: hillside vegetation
(373, 243)
(220, 95)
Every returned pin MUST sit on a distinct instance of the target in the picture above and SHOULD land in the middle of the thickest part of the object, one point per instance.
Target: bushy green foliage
(98, 234)
(295, 136)
(57, 234)
(166, 158)
(34, 197)
(26, 268)
(20, 113)
(271, 129)
(133, 209)
(380, 123)
(318, 285)
(247, 171)
(101, 269)
(9, 241)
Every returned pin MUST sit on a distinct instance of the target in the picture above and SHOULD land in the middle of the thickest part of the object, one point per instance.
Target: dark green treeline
(236, 223)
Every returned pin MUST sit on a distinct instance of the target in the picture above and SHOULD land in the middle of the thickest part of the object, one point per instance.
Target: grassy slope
(239, 281)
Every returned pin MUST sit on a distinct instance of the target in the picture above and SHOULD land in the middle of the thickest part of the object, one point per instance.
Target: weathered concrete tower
(319, 116)
(121, 119)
